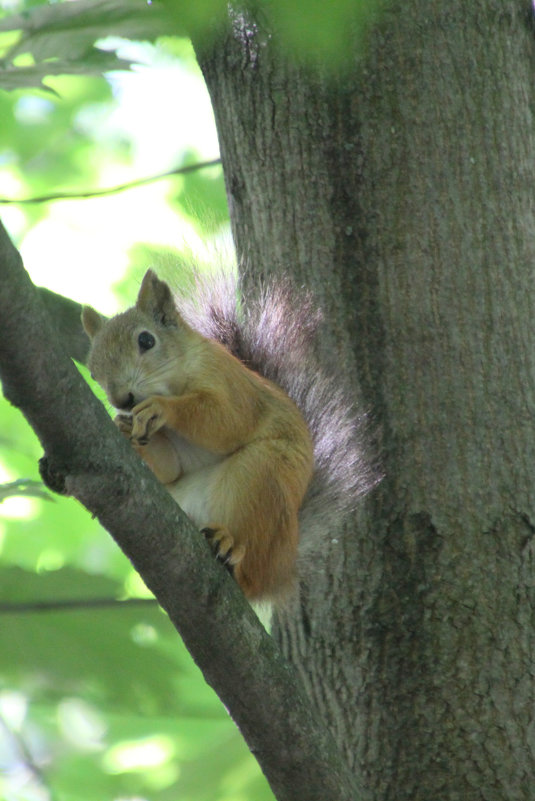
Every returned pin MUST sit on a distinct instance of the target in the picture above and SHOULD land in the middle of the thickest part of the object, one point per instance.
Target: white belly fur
(193, 492)
(200, 471)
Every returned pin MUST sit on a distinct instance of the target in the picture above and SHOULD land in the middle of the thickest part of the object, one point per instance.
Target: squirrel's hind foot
(222, 544)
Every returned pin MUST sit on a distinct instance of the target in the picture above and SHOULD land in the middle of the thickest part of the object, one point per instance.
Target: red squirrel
(230, 445)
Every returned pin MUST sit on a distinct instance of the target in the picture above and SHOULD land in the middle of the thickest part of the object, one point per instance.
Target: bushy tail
(273, 331)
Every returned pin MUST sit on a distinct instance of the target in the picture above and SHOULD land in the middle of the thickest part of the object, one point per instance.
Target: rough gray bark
(402, 192)
(64, 315)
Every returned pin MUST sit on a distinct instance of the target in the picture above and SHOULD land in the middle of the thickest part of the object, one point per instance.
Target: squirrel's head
(139, 353)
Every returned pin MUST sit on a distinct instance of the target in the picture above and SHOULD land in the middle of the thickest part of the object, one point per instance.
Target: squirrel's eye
(145, 341)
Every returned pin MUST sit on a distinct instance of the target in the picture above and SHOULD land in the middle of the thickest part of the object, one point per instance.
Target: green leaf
(205, 194)
(95, 62)
(95, 386)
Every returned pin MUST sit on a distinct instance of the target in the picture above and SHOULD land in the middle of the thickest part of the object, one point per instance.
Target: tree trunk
(401, 190)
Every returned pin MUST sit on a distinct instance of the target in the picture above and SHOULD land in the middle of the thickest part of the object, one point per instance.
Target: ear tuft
(155, 299)
(92, 321)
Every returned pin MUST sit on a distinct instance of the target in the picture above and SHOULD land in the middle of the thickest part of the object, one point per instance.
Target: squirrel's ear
(91, 321)
(155, 299)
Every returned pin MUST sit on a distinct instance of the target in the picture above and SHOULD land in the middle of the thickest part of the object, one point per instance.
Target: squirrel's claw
(124, 423)
(223, 547)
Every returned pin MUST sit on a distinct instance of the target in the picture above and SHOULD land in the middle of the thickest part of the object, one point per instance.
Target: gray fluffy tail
(273, 332)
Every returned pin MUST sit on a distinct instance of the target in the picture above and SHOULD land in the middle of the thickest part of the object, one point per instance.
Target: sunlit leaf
(95, 62)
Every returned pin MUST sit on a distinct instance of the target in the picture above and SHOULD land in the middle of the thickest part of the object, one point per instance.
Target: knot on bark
(53, 477)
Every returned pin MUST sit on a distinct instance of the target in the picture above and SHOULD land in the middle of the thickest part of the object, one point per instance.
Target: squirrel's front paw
(147, 418)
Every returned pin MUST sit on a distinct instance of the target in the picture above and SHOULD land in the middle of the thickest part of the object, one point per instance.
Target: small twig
(113, 189)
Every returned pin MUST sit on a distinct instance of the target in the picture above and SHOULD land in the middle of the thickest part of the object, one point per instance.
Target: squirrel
(229, 408)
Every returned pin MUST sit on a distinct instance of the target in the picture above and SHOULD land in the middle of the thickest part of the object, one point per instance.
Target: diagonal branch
(86, 457)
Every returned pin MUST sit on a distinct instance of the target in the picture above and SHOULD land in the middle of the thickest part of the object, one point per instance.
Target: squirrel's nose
(124, 402)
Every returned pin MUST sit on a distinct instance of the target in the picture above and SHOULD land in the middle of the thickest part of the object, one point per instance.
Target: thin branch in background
(26, 757)
(201, 165)
(24, 488)
(72, 604)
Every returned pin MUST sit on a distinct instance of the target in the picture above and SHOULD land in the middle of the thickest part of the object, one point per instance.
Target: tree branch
(64, 315)
(86, 457)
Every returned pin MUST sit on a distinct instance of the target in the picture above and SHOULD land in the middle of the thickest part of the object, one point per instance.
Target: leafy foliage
(60, 38)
